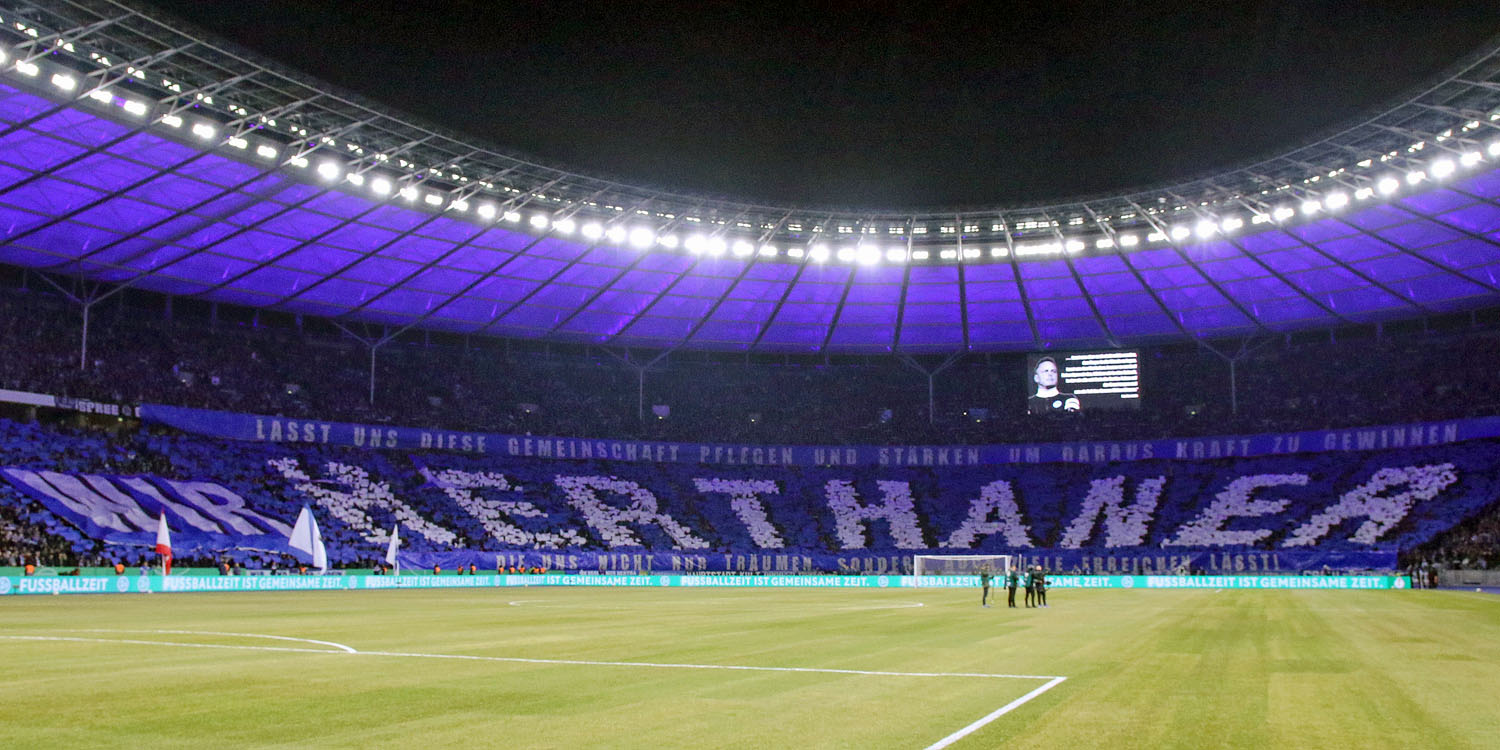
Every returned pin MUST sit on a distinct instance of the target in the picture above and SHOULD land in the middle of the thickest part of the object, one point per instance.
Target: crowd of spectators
(137, 353)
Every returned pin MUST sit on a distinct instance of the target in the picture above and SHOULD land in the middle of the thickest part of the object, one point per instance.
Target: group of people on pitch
(1034, 580)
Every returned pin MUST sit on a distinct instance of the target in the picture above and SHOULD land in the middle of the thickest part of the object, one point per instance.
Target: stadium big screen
(1079, 381)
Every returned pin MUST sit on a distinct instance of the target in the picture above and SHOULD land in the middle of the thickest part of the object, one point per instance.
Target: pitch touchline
(507, 659)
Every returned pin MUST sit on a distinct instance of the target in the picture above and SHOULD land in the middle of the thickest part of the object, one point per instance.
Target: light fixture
(103, 96)
(1311, 207)
(513, 216)
(1282, 213)
(265, 152)
(898, 255)
(1441, 168)
(26, 68)
(1413, 178)
(171, 121)
(642, 237)
(328, 170)
(868, 255)
(539, 221)
(818, 252)
(382, 186)
(742, 248)
(616, 234)
(696, 243)
(717, 246)
(1231, 224)
(1180, 232)
(1469, 158)
(1336, 201)
(845, 254)
(669, 241)
(564, 225)
(486, 211)
(433, 199)
(204, 130)
(593, 230)
(1205, 229)
(1388, 185)
(134, 107)
(1129, 240)
(64, 82)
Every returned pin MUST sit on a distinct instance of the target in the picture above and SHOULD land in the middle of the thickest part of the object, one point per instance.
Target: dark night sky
(869, 104)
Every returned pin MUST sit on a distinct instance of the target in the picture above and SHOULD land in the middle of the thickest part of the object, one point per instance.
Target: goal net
(959, 565)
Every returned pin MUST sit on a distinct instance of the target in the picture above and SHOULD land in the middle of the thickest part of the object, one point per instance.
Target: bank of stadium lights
(486, 211)
(356, 179)
(329, 171)
(1441, 168)
(742, 248)
(592, 230)
(204, 130)
(564, 225)
(1387, 185)
(669, 241)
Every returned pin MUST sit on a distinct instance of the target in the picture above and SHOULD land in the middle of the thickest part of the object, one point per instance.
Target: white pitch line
(525, 660)
(997, 713)
(338, 646)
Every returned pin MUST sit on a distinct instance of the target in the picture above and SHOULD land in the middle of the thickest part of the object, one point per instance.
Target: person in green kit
(1029, 583)
(1012, 579)
(984, 582)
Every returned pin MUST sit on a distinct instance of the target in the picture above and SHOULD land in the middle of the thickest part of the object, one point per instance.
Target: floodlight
(717, 245)
(235, 141)
(103, 96)
(328, 170)
(265, 152)
(564, 226)
(642, 237)
(1441, 168)
(1493, 149)
(513, 216)
(593, 230)
(1231, 224)
(26, 68)
(868, 255)
(1205, 229)
(920, 255)
(794, 252)
(696, 243)
(1469, 158)
(64, 82)
(1413, 178)
(1364, 194)
(1388, 185)
(1155, 237)
(818, 253)
(1103, 243)
(299, 162)
(1311, 207)
(433, 199)
(895, 255)
(134, 107)
(846, 254)
(486, 211)
(768, 251)
(669, 241)
(1336, 201)
(458, 204)
(742, 248)
(1072, 246)
(204, 130)
(1260, 218)
(616, 234)
(540, 221)
(1282, 213)
(1180, 232)
(171, 121)
(1129, 240)
(949, 254)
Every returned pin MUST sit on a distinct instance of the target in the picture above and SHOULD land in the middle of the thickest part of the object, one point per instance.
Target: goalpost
(960, 565)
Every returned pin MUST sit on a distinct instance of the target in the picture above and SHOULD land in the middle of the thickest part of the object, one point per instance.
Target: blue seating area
(1374, 501)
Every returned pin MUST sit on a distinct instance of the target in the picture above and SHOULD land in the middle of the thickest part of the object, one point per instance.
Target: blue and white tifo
(147, 584)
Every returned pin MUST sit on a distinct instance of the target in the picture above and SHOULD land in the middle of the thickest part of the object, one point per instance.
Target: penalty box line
(1051, 680)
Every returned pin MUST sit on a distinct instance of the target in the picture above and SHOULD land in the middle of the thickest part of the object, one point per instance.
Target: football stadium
(323, 424)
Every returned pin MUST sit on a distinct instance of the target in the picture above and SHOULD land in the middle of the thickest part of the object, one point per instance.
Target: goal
(959, 565)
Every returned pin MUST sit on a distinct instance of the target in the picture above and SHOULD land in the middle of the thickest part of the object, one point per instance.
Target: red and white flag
(164, 543)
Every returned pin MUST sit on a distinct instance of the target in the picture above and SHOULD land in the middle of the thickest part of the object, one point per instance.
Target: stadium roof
(135, 152)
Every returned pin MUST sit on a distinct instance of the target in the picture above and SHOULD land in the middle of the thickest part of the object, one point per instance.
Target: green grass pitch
(615, 668)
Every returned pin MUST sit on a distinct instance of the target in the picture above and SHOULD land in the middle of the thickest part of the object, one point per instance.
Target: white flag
(164, 543)
(305, 537)
(390, 551)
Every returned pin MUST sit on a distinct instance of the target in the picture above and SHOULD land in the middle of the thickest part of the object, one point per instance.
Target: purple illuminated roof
(90, 189)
